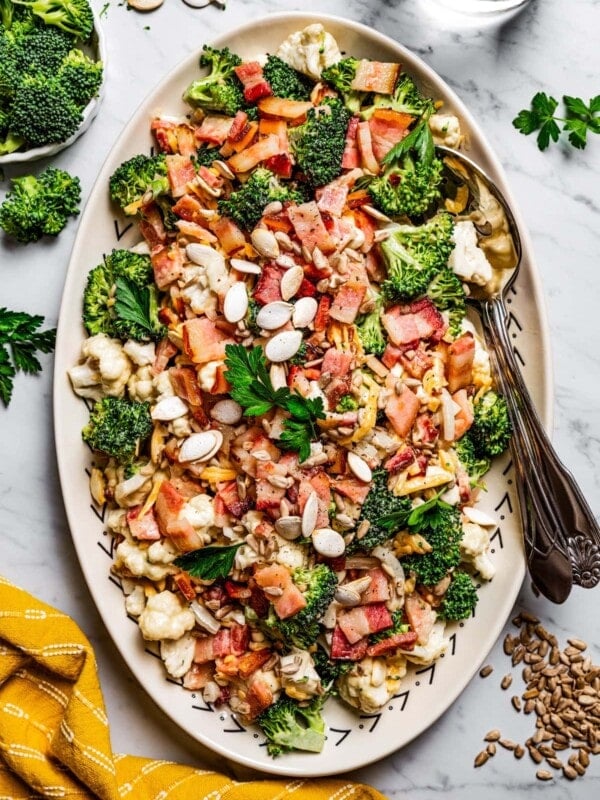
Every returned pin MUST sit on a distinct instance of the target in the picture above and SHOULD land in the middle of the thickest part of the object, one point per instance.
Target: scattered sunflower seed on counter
(562, 690)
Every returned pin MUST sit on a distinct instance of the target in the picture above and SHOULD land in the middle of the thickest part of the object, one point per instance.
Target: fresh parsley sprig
(425, 514)
(20, 340)
(252, 389)
(209, 563)
(541, 117)
(138, 305)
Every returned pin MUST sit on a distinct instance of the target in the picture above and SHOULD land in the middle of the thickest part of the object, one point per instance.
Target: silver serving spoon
(561, 535)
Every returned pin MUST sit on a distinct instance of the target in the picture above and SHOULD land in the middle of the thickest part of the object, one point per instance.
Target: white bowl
(96, 49)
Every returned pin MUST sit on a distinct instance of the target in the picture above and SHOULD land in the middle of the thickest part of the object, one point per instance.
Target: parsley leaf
(541, 117)
(136, 304)
(209, 563)
(20, 340)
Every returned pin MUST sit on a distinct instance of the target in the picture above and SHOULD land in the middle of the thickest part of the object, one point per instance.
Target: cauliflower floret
(445, 129)
(372, 682)
(180, 427)
(299, 678)
(310, 51)
(165, 618)
(467, 260)
(140, 354)
(135, 602)
(141, 384)
(245, 557)
(162, 552)
(289, 554)
(474, 546)
(116, 522)
(163, 386)
(178, 655)
(104, 371)
(252, 519)
(199, 512)
(437, 643)
(136, 561)
(196, 292)
(207, 375)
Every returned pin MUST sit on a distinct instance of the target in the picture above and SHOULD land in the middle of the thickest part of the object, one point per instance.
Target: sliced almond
(359, 468)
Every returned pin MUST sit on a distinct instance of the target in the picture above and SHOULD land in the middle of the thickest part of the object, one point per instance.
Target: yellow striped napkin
(54, 733)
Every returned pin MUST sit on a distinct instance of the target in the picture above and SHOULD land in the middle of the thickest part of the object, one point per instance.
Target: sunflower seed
(485, 671)
(492, 736)
(481, 758)
(506, 681)
(544, 775)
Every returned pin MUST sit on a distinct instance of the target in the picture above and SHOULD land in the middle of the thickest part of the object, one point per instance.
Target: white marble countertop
(495, 69)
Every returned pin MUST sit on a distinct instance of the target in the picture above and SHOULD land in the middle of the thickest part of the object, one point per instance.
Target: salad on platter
(291, 416)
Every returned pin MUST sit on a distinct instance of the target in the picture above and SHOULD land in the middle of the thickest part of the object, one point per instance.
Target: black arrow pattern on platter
(344, 731)
(375, 717)
(404, 696)
(452, 639)
(120, 233)
(206, 707)
(505, 499)
(152, 653)
(100, 514)
(430, 669)
(109, 552)
(117, 582)
(507, 468)
(238, 729)
(518, 356)
(498, 535)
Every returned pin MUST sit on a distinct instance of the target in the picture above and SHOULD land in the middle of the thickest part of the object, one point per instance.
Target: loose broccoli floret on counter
(347, 403)
(120, 298)
(318, 584)
(409, 184)
(285, 81)
(72, 16)
(36, 207)
(340, 75)
(491, 429)
(220, 90)
(318, 144)
(329, 671)
(474, 466)
(139, 178)
(380, 503)
(448, 294)
(439, 523)
(246, 205)
(81, 77)
(291, 726)
(370, 331)
(406, 99)
(414, 254)
(42, 112)
(460, 599)
(117, 427)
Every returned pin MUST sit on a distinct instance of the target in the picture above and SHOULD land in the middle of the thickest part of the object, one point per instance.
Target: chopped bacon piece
(464, 418)
(180, 172)
(460, 362)
(183, 535)
(252, 661)
(367, 225)
(144, 528)
(167, 264)
(342, 649)
(165, 351)
(165, 134)
(249, 135)
(268, 288)
(426, 431)
(267, 495)
(419, 320)
(401, 410)
(213, 130)
(388, 127)
(363, 620)
(378, 591)
(280, 164)
(293, 110)
(255, 86)
(221, 384)
(420, 615)
(416, 362)
(292, 600)
(186, 140)
(331, 198)
(365, 148)
(233, 503)
(203, 341)
(231, 238)
(336, 362)
(347, 302)
(185, 585)
(322, 316)
(152, 227)
(253, 155)
(188, 208)
(400, 460)
(375, 76)
(204, 650)
(391, 356)
(185, 385)
(197, 676)
(397, 641)
(239, 128)
(353, 489)
(258, 697)
(194, 231)
(351, 156)
(307, 289)
(309, 227)
(169, 503)
(321, 485)
(240, 638)
(214, 181)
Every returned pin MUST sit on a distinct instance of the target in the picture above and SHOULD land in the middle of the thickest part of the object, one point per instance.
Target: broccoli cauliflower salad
(292, 416)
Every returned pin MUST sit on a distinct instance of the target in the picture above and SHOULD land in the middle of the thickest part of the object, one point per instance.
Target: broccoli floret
(318, 585)
(491, 428)
(329, 671)
(448, 294)
(340, 75)
(439, 523)
(318, 144)
(409, 184)
(41, 50)
(285, 81)
(291, 726)
(414, 254)
(110, 287)
(460, 599)
(474, 466)
(72, 16)
(42, 112)
(299, 358)
(221, 90)
(246, 205)
(8, 141)
(205, 155)
(370, 330)
(136, 179)
(81, 77)
(347, 403)
(6, 13)
(380, 502)
(117, 427)
(253, 309)
(398, 626)
(406, 99)
(36, 207)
